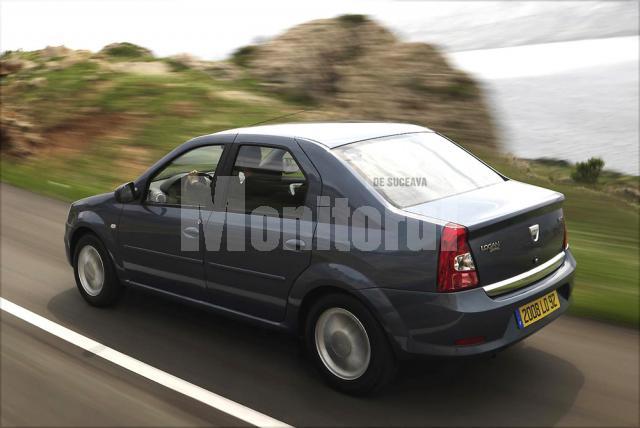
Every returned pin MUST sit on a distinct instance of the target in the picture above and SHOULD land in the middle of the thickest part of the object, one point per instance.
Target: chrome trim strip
(525, 278)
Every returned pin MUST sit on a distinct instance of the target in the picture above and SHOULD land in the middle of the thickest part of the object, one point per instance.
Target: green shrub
(126, 50)
(461, 87)
(589, 171)
(176, 65)
(243, 55)
(352, 19)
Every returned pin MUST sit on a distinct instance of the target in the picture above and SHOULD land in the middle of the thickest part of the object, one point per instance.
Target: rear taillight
(456, 268)
(565, 242)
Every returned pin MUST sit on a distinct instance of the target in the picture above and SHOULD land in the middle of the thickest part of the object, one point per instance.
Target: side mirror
(126, 193)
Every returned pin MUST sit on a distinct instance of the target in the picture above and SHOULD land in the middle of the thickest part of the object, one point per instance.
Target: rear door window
(266, 177)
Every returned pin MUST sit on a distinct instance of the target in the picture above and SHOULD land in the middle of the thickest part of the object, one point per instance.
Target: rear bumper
(422, 323)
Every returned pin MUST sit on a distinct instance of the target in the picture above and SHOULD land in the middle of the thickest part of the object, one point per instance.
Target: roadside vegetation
(77, 123)
(588, 172)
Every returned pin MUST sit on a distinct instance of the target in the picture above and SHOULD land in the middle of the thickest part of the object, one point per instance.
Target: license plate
(538, 309)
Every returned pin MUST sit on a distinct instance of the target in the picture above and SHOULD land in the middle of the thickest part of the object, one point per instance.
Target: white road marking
(216, 401)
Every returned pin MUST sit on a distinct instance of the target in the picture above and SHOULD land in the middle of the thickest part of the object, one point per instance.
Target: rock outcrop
(357, 69)
(18, 136)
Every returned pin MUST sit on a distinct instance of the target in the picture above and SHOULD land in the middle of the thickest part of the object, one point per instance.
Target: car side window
(266, 177)
(187, 180)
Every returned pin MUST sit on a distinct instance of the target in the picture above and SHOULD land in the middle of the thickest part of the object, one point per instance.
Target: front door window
(187, 180)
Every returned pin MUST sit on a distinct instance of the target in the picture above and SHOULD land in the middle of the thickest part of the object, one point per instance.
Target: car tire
(348, 346)
(94, 272)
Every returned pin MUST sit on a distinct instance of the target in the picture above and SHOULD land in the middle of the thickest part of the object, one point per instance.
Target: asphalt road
(575, 372)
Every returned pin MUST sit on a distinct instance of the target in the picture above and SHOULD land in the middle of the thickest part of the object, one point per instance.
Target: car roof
(331, 134)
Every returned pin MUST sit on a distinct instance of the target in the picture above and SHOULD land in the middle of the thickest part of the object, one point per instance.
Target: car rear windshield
(412, 169)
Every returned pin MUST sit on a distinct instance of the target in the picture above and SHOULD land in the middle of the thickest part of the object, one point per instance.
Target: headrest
(249, 157)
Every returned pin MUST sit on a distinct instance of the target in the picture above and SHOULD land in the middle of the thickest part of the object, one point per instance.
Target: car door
(160, 236)
(266, 235)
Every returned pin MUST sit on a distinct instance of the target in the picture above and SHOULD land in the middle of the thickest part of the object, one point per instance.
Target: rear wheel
(94, 272)
(348, 345)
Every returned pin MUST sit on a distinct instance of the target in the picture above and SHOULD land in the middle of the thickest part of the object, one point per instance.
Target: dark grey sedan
(372, 241)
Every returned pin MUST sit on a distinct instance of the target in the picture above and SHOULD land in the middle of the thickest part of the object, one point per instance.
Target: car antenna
(278, 117)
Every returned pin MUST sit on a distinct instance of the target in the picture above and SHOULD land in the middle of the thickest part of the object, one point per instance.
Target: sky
(214, 29)
(209, 29)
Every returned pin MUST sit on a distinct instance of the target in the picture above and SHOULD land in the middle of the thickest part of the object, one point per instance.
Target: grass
(61, 93)
(167, 110)
(171, 108)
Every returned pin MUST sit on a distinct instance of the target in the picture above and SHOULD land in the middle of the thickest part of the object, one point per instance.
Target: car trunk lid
(513, 227)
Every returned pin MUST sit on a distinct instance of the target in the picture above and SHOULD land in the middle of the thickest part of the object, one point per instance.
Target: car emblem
(491, 247)
(534, 230)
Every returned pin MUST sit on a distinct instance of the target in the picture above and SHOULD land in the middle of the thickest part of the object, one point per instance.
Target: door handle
(294, 244)
(191, 232)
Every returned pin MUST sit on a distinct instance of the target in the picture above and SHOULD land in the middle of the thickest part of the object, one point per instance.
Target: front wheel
(94, 272)
(348, 345)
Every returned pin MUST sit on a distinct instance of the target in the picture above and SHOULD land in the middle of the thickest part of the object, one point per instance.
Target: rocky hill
(357, 69)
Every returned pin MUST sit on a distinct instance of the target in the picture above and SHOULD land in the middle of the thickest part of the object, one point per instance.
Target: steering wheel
(197, 179)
